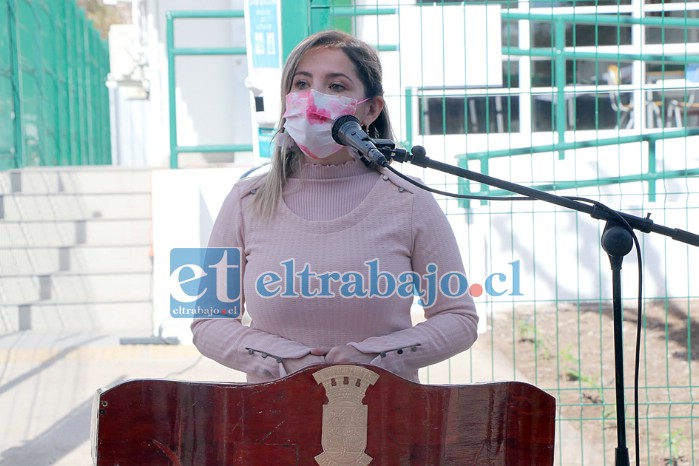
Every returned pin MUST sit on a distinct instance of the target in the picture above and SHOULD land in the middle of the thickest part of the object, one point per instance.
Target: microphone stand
(616, 241)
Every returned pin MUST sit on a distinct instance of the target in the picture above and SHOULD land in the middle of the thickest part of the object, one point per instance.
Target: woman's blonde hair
(287, 159)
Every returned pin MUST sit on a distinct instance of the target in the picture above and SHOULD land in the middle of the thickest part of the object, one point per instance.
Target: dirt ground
(569, 352)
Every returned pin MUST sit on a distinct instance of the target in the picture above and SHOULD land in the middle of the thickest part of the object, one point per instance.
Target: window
(468, 115)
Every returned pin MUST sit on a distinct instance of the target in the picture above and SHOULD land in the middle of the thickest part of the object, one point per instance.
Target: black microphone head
(339, 123)
(418, 151)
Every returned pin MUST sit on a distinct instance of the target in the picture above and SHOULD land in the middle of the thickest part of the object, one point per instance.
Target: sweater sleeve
(451, 322)
(227, 340)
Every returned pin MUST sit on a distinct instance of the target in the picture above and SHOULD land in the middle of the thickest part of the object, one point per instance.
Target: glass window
(584, 111)
(545, 4)
(510, 34)
(542, 34)
(660, 2)
(503, 3)
(662, 34)
(510, 74)
(472, 115)
(577, 72)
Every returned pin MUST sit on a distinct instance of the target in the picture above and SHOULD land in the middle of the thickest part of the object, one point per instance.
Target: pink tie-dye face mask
(309, 119)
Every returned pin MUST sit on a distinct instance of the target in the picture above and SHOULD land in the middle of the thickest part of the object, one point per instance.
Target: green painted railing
(54, 105)
(172, 53)
(650, 176)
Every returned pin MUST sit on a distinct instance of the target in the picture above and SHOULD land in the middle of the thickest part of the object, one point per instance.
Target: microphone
(347, 131)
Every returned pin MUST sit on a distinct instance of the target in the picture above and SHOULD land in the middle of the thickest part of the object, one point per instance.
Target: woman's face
(330, 71)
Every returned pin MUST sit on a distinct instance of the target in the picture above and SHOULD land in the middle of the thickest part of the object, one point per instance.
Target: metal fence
(54, 105)
(593, 99)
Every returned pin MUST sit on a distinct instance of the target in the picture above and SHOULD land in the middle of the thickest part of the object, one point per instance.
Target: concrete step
(94, 179)
(72, 206)
(75, 249)
(105, 232)
(85, 259)
(76, 288)
(74, 317)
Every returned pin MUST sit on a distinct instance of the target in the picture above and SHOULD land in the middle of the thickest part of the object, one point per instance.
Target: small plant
(674, 441)
(527, 333)
(609, 412)
(570, 364)
(526, 330)
(572, 373)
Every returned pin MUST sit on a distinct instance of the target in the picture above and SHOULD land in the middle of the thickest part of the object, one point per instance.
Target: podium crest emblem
(345, 417)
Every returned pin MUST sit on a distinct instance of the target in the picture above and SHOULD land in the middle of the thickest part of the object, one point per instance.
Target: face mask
(309, 119)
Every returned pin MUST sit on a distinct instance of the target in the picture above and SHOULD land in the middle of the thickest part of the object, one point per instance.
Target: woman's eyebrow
(341, 75)
(304, 73)
(329, 75)
(338, 75)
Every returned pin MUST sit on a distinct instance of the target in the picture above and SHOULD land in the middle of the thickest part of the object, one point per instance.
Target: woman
(331, 245)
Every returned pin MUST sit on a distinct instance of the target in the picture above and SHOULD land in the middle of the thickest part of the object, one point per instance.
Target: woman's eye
(300, 85)
(337, 87)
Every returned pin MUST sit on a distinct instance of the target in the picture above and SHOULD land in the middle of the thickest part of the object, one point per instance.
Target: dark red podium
(327, 415)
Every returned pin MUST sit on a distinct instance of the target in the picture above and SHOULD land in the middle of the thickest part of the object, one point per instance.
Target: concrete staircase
(75, 249)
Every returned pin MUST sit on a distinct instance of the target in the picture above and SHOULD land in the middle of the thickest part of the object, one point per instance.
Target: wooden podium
(323, 415)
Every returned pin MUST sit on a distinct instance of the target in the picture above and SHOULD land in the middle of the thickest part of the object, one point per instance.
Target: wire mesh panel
(53, 99)
(8, 96)
(590, 99)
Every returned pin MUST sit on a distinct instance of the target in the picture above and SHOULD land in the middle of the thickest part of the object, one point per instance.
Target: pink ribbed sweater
(336, 218)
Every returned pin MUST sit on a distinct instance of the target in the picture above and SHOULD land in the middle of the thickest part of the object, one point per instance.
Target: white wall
(185, 205)
(129, 119)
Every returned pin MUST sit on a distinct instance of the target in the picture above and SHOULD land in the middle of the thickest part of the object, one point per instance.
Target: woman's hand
(293, 365)
(344, 354)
